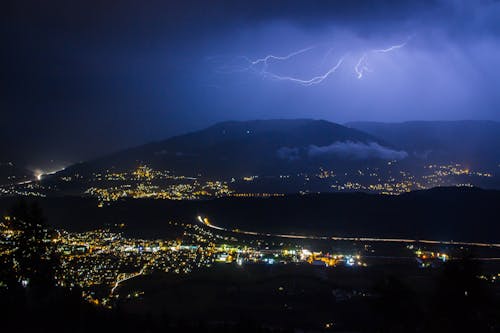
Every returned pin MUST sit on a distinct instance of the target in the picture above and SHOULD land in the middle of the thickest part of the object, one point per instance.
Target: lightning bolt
(362, 65)
(273, 57)
(252, 65)
(261, 65)
(306, 82)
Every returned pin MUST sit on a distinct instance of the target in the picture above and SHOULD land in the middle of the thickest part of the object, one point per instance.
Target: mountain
(252, 147)
(475, 143)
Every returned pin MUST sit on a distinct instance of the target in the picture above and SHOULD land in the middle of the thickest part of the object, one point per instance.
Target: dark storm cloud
(81, 78)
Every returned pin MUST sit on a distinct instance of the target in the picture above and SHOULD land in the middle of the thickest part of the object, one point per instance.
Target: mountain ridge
(463, 141)
(244, 143)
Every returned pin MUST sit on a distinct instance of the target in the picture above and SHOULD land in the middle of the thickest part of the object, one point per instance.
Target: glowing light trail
(206, 222)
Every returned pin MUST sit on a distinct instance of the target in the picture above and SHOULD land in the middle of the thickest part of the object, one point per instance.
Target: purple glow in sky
(83, 78)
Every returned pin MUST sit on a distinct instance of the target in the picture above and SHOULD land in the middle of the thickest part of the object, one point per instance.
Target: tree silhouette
(462, 302)
(396, 307)
(33, 258)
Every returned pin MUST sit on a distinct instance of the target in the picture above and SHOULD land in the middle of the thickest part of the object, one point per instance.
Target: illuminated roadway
(127, 278)
(207, 223)
(117, 283)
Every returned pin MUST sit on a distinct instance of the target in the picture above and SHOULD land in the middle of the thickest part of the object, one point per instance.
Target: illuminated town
(97, 262)
(145, 182)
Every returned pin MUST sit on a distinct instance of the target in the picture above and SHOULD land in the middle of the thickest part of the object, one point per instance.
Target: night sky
(84, 78)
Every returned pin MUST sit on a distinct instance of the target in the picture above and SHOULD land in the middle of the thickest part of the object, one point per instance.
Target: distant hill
(253, 147)
(11, 173)
(473, 142)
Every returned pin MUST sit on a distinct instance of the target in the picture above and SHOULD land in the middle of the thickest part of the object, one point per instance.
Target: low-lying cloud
(286, 153)
(357, 150)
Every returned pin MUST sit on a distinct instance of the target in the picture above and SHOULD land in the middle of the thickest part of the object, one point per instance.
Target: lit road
(207, 223)
(117, 283)
(39, 175)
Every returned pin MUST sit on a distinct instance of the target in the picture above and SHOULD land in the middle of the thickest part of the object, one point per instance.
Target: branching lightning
(306, 82)
(258, 65)
(315, 80)
(362, 64)
(261, 65)
(273, 57)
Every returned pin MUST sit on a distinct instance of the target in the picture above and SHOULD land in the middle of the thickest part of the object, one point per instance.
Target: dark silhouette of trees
(396, 307)
(32, 254)
(462, 302)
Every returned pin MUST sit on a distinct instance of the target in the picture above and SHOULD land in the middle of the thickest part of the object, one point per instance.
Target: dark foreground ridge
(460, 214)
